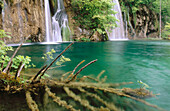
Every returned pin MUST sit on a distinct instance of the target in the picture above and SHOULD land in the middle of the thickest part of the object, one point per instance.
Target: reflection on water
(124, 61)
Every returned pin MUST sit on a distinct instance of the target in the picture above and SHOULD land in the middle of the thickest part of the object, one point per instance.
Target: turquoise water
(123, 61)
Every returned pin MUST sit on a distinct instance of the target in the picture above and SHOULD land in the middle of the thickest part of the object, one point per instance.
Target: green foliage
(85, 39)
(62, 60)
(96, 15)
(143, 85)
(16, 60)
(166, 32)
(3, 47)
(65, 32)
(1, 3)
(154, 5)
(50, 55)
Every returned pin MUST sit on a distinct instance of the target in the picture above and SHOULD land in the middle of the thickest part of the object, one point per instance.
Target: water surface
(124, 61)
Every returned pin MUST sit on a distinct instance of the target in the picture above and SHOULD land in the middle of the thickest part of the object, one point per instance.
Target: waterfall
(49, 37)
(6, 18)
(118, 32)
(65, 30)
(20, 20)
(57, 30)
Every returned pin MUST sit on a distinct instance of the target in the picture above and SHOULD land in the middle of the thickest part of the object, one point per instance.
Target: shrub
(96, 15)
(166, 32)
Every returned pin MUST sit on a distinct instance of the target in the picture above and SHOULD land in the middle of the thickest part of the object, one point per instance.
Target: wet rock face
(146, 24)
(23, 18)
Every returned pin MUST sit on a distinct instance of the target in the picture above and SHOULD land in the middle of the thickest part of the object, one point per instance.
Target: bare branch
(38, 73)
(18, 70)
(56, 59)
(22, 66)
(74, 70)
(9, 68)
(31, 103)
(5, 70)
(74, 77)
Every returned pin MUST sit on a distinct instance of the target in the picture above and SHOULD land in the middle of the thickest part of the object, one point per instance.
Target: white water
(20, 20)
(49, 37)
(57, 29)
(118, 32)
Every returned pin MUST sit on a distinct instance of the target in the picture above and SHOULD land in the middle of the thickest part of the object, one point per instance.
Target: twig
(18, 70)
(73, 78)
(5, 70)
(65, 74)
(78, 66)
(88, 77)
(74, 70)
(2, 64)
(1, 67)
(56, 59)
(38, 74)
(9, 68)
(100, 74)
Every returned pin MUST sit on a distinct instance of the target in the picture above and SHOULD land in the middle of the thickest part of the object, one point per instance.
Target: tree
(96, 15)
(132, 7)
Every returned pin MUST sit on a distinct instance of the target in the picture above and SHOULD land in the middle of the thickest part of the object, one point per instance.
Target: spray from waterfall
(118, 32)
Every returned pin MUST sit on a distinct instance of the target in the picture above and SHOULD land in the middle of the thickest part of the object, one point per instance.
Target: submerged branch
(31, 103)
(83, 102)
(74, 77)
(58, 100)
(35, 77)
(56, 59)
(71, 75)
(111, 106)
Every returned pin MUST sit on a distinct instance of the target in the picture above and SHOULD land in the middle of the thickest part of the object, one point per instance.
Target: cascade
(118, 32)
(6, 18)
(65, 30)
(20, 20)
(57, 30)
(48, 22)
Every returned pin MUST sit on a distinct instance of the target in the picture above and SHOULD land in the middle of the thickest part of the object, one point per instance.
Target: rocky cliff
(23, 18)
(143, 23)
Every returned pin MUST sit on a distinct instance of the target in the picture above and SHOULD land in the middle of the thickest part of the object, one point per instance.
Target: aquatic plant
(50, 53)
(143, 85)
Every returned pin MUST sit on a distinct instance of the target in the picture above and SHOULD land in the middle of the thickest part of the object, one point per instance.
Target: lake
(123, 61)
